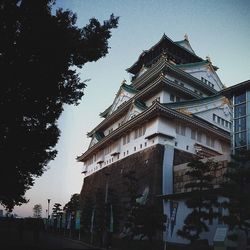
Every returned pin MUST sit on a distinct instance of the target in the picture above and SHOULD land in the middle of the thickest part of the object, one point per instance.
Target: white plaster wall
(186, 85)
(158, 125)
(165, 126)
(150, 101)
(186, 143)
(126, 150)
(207, 74)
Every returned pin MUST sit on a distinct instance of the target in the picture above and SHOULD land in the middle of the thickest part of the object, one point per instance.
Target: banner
(92, 221)
(111, 227)
(58, 220)
(173, 209)
(64, 220)
(78, 220)
(69, 221)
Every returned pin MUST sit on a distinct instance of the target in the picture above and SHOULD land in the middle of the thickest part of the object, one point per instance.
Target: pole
(48, 207)
(106, 210)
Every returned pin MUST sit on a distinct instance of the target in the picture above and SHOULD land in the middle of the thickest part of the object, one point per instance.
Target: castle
(171, 110)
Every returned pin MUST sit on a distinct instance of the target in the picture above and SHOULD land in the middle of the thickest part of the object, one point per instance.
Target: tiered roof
(174, 51)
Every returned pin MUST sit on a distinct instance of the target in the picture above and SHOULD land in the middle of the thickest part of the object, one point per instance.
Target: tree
(73, 204)
(37, 211)
(236, 189)
(56, 210)
(202, 199)
(145, 215)
(39, 56)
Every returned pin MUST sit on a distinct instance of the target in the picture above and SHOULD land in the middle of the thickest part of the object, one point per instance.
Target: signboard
(78, 219)
(220, 234)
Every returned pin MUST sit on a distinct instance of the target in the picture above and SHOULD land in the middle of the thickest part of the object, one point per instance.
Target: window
(193, 134)
(139, 132)
(212, 142)
(171, 97)
(140, 145)
(177, 129)
(176, 144)
(145, 144)
(240, 110)
(178, 99)
(240, 124)
(199, 136)
(209, 141)
(134, 148)
(107, 150)
(240, 139)
(126, 139)
(187, 147)
(221, 121)
(183, 130)
(240, 98)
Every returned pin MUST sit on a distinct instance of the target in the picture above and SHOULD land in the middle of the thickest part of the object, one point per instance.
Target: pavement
(11, 239)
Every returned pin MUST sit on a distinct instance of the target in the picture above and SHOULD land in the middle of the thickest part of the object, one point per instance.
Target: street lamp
(48, 207)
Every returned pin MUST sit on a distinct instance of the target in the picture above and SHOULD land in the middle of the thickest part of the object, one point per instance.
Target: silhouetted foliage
(236, 189)
(39, 55)
(202, 200)
(56, 210)
(73, 205)
(144, 216)
(37, 211)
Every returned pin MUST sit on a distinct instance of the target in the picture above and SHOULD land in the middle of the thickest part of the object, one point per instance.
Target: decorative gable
(124, 93)
(205, 72)
(215, 110)
(136, 108)
(93, 142)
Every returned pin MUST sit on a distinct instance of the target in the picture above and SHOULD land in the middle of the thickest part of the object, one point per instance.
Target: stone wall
(147, 168)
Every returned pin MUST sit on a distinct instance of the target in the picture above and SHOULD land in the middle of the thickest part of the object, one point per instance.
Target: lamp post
(48, 207)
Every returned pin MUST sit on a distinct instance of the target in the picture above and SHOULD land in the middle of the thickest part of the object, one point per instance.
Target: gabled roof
(186, 45)
(167, 43)
(193, 101)
(124, 86)
(196, 64)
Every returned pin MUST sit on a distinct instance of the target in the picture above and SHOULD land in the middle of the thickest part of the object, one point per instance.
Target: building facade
(239, 95)
(171, 111)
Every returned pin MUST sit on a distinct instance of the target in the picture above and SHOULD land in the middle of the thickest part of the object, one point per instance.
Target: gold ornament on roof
(123, 82)
(186, 37)
(208, 59)
(225, 101)
(185, 111)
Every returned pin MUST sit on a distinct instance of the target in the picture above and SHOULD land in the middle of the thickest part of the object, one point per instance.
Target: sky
(218, 29)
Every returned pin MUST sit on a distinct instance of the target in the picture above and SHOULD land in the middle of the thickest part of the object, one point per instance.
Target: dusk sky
(218, 29)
